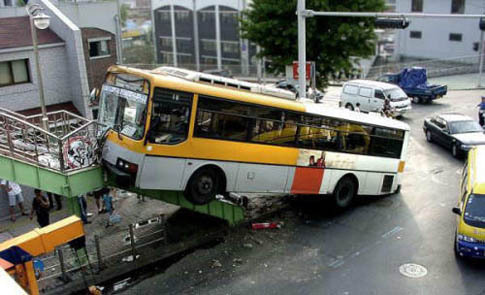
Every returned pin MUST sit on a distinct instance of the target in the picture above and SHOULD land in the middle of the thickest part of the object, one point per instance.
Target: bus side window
(170, 116)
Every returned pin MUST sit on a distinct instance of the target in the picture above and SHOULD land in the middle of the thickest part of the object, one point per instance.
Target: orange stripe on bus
(307, 180)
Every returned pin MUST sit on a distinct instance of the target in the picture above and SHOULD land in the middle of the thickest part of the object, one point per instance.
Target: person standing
(108, 205)
(40, 205)
(14, 193)
(58, 201)
(481, 112)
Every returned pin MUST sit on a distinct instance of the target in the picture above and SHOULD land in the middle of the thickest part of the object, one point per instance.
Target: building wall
(96, 67)
(55, 78)
(99, 14)
(216, 44)
(76, 65)
(434, 42)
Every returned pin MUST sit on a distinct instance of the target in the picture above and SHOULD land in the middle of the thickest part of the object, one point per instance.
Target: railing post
(132, 242)
(61, 155)
(64, 277)
(98, 253)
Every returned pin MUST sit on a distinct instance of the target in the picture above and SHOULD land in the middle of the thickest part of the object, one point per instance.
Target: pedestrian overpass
(64, 158)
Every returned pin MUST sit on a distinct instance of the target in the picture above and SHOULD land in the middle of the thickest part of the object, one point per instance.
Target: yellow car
(470, 229)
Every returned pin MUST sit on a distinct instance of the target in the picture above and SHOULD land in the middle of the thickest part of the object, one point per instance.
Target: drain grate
(412, 270)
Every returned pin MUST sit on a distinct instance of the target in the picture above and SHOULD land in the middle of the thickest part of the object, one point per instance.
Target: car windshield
(395, 93)
(465, 127)
(475, 211)
(123, 108)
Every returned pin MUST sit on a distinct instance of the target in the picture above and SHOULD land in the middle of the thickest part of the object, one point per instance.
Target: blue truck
(414, 82)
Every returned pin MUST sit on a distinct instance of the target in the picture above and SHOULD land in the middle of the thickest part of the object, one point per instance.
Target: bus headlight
(466, 239)
(126, 166)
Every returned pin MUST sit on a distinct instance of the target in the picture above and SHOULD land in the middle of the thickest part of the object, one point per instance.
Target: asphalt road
(359, 251)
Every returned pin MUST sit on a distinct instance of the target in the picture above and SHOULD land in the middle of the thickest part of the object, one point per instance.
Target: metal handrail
(23, 138)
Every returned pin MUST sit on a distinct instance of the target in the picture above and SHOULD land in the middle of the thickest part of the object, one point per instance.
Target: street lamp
(41, 21)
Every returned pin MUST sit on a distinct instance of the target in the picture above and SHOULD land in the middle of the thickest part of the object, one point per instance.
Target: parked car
(454, 131)
(470, 210)
(371, 95)
(414, 82)
(287, 85)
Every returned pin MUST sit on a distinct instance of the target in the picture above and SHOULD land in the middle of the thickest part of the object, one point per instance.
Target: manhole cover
(413, 270)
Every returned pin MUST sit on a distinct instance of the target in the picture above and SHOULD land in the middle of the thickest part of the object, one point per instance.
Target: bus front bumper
(469, 249)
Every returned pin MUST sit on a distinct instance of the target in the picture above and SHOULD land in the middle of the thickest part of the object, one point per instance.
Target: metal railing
(434, 67)
(70, 143)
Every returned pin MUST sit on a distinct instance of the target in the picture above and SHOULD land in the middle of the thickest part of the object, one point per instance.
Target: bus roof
(346, 114)
(250, 97)
(173, 82)
(477, 157)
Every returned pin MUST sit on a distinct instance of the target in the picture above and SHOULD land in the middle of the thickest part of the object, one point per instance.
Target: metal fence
(69, 142)
(102, 253)
(434, 67)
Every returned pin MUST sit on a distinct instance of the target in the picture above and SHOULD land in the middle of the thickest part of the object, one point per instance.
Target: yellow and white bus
(179, 130)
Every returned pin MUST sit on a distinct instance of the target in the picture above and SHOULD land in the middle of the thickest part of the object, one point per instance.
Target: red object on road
(262, 225)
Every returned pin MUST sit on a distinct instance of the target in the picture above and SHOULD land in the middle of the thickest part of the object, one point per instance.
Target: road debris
(216, 263)
(248, 245)
(262, 225)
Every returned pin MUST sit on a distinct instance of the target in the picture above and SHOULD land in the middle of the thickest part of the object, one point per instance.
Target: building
(74, 53)
(439, 38)
(207, 39)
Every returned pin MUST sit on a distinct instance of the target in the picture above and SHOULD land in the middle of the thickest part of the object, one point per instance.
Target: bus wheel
(202, 187)
(344, 192)
(349, 106)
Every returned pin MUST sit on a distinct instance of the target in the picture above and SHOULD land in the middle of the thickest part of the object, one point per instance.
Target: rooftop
(15, 33)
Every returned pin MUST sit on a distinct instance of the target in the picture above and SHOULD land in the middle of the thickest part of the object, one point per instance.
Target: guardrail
(70, 143)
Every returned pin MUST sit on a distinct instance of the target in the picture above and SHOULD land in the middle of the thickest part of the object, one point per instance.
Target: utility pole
(301, 49)
(196, 36)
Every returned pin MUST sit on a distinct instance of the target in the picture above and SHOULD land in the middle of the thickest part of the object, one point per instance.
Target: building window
(415, 35)
(230, 47)
(164, 16)
(458, 6)
(98, 48)
(229, 17)
(417, 6)
(181, 15)
(14, 72)
(455, 37)
(209, 45)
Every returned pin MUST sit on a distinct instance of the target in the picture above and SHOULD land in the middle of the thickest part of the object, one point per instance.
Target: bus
(178, 130)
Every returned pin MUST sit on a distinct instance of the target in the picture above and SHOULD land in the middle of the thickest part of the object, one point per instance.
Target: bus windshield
(123, 109)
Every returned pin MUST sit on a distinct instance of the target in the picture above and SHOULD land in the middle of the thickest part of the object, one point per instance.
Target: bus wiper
(117, 128)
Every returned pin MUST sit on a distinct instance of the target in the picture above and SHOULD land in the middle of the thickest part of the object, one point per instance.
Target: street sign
(308, 70)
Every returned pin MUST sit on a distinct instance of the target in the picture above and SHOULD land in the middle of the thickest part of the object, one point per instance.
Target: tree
(124, 13)
(330, 41)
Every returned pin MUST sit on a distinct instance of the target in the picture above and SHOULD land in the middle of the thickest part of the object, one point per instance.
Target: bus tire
(344, 192)
(202, 186)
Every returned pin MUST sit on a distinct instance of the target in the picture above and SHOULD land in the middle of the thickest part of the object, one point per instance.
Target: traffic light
(392, 23)
(481, 24)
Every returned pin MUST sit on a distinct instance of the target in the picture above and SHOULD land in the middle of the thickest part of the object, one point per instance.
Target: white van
(371, 94)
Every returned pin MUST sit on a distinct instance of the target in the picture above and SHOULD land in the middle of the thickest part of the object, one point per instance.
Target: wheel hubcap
(205, 184)
(343, 195)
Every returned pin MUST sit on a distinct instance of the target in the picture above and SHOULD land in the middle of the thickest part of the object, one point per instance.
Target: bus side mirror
(456, 210)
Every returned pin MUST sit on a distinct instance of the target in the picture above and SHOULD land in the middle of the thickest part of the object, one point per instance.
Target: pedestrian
(481, 112)
(386, 110)
(40, 205)
(98, 195)
(14, 193)
(83, 207)
(58, 200)
(108, 206)
(357, 107)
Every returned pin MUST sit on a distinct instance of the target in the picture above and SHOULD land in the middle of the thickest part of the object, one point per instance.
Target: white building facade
(439, 38)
